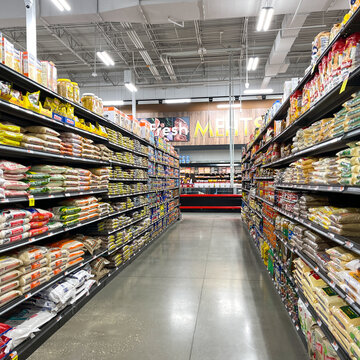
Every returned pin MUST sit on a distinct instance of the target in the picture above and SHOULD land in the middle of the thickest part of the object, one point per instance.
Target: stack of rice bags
(44, 138)
(99, 178)
(353, 112)
(73, 211)
(311, 201)
(39, 174)
(105, 153)
(298, 141)
(35, 270)
(340, 123)
(98, 268)
(111, 224)
(10, 134)
(71, 144)
(343, 320)
(9, 279)
(342, 221)
(325, 171)
(303, 169)
(91, 243)
(18, 224)
(11, 180)
(314, 245)
(114, 260)
(108, 242)
(89, 150)
(105, 208)
(349, 164)
(75, 248)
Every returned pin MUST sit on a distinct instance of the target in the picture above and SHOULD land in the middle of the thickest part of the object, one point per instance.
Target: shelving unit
(147, 224)
(261, 183)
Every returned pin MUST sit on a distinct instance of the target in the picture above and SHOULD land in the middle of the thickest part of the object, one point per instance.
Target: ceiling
(139, 36)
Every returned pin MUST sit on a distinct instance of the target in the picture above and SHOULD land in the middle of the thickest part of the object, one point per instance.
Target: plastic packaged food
(26, 288)
(34, 275)
(32, 254)
(10, 276)
(11, 295)
(8, 263)
(33, 266)
(56, 253)
(67, 244)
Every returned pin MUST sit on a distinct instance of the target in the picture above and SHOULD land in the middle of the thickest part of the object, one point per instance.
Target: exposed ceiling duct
(277, 62)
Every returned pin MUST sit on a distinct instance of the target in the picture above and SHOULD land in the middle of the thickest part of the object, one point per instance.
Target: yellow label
(343, 86)
(31, 201)
(313, 68)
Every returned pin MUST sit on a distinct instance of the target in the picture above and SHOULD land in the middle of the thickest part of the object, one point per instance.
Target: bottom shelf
(295, 324)
(24, 350)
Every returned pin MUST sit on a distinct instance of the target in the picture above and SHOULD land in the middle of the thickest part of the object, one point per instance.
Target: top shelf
(350, 27)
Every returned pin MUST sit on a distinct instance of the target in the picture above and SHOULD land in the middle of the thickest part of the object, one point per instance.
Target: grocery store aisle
(198, 293)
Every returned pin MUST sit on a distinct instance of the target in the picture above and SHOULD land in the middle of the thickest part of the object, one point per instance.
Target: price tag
(319, 322)
(29, 151)
(14, 356)
(109, 274)
(343, 86)
(67, 195)
(27, 295)
(59, 318)
(307, 304)
(31, 200)
(316, 269)
(332, 235)
(349, 244)
(332, 284)
(313, 69)
(297, 327)
(335, 346)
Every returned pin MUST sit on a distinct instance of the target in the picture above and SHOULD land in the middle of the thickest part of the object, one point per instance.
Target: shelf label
(319, 322)
(307, 304)
(332, 235)
(316, 269)
(313, 69)
(27, 295)
(332, 284)
(14, 356)
(343, 86)
(335, 346)
(349, 244)
(59, 318)
(349, 299)
(31, 200)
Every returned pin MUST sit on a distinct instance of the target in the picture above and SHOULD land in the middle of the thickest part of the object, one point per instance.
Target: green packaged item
(353, 113)
(71, 222)
(57, 177)
(31, 175)
(38, 190)
(65, 210)
(339, 121)
(344, 153)
(354, 121)
(40, 182)
(66, 218)
(346, 165)
(55, 189)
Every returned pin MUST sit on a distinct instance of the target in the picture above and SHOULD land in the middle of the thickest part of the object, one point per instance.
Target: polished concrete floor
(199, 293)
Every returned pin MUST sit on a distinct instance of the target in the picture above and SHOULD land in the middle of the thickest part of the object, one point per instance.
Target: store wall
(210, 155)
(208, 124)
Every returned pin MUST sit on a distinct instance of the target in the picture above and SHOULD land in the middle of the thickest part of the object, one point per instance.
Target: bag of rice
(41, 130)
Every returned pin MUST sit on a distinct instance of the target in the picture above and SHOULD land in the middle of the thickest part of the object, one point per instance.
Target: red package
(39, 214)
(38, 231)
(15, 193)
(37, 224)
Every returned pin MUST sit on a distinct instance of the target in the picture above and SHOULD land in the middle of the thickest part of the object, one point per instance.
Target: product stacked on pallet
(80, 199)
(301, 173)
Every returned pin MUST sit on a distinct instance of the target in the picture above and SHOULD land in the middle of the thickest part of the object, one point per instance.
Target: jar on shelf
(65, 88)
(76, 92)
(97, 104)
(88, 101)
(101, 107)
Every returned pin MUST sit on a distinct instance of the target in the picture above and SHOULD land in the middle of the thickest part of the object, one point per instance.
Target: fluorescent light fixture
(255, 63)
(227, 106)
(258, 91)
(105, 58)
(261, 19)
(131, 87)
(265, 17)
(62, 5)
(113, 102)
(176, 101)
(268, 19)
(250, 64)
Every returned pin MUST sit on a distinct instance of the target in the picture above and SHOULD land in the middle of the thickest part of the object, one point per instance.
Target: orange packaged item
(31, 254)
(69, 245)
(76, 261)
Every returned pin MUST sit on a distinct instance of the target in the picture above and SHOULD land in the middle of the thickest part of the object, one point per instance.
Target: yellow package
(346, 317)
(328, 297)
(355, 351)
(355, 335)
(6, 141)
(10, 127)
(17, 136)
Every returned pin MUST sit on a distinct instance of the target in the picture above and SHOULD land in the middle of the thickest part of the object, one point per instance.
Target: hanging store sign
(171, 128)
